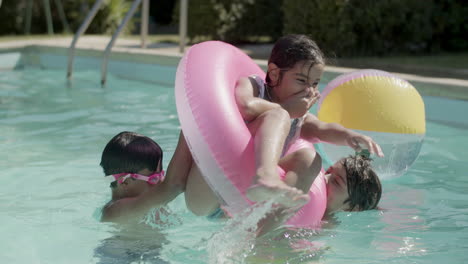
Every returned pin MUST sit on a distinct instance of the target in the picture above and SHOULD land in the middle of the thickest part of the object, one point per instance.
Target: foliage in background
(340, 27)
(202, 20)
(369, 27)
(111, 13)
(326, 22)
(161, 11)
(450, 25)
(106, 20)
(389, 26)
(233, 21)
(243, 20)
(12, 17)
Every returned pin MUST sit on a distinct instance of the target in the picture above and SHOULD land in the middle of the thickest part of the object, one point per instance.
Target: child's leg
(199, 198)
(270, 130)
(302, 167)
(184, 174)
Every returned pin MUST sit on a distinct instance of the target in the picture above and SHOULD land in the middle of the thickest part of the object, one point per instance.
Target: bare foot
(284, 194)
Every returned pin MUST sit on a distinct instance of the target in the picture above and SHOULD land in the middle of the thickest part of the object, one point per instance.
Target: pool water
(52, 136)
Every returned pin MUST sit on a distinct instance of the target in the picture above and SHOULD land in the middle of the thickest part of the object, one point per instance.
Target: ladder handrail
(144, 33)
(114, 37)
(144, 22)
(81, 30)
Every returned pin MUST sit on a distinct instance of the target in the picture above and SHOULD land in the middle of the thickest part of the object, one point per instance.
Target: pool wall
(132, 66)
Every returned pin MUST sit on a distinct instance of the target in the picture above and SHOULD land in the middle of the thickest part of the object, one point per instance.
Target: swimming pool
(53, 188)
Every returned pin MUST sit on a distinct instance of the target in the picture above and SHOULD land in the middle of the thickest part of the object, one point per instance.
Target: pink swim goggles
(151, 179)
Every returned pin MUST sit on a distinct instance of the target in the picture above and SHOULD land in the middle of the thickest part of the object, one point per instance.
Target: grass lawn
(453, 65)
(446, 60)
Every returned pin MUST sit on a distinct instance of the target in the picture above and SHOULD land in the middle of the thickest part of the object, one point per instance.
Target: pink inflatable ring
(218, 138)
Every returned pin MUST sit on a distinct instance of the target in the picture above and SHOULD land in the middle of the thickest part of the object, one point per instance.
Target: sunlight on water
(53, 188)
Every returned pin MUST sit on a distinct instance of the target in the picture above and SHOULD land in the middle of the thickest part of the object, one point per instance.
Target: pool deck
(132, 46)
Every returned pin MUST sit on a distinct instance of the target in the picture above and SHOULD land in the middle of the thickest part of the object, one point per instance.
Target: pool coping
(167, 54)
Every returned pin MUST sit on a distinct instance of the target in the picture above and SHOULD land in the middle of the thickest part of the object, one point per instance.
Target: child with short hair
(352, 185)
(133, 162)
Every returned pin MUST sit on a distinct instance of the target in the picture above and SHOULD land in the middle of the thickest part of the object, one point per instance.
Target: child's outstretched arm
(334, 133)
(123, 210)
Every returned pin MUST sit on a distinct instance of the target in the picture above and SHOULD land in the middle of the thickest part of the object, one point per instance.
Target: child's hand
(355, 141)
(299, 104)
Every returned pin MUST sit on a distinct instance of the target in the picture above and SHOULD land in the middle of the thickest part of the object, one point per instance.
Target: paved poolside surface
(132, 46)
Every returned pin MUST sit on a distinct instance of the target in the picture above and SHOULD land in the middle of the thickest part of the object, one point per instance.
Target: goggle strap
(152, 179)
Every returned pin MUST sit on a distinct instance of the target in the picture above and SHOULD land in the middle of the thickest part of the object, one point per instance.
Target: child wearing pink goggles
(133, 163)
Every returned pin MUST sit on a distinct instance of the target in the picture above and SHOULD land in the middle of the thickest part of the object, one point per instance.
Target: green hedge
(450, 25)
(363, 27)
(233, 20)
(369, 27)
(324, 21)
(340, 27)
(107, 19)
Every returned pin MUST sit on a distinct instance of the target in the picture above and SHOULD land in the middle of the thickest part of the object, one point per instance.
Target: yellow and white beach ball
(382, 106)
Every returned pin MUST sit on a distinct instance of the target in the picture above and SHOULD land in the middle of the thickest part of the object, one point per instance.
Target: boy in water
(352, 185)
(133, 162)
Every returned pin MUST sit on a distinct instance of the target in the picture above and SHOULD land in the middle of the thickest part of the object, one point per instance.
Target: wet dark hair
(364, 187)
(131, 152)
(291, 49)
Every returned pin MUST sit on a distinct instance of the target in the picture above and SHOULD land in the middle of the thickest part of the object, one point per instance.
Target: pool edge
(149, 60)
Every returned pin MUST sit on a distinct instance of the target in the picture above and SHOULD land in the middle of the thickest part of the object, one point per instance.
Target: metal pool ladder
(130, 13)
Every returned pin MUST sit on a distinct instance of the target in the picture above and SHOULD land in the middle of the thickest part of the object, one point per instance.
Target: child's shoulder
(309, 119)
(116, 209)
(250, 85)
(257, 80)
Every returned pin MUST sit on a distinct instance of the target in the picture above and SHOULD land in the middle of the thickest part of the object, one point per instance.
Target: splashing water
(236, 239)
(161, 217)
